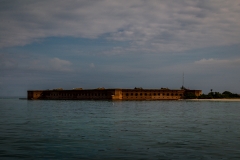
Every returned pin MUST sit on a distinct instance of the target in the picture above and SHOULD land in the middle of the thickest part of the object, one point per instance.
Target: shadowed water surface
(119, 129)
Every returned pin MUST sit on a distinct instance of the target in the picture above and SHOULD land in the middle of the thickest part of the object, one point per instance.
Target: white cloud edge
(52, 64)
(212, 61)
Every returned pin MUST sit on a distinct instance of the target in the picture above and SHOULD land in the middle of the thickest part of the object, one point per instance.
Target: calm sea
(119, 130)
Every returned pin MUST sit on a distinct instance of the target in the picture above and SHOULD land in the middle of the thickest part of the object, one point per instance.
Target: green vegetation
(138, 88)
(190, 96)
(77, 89)
(100, 88)
(216, 95)
(57, 89)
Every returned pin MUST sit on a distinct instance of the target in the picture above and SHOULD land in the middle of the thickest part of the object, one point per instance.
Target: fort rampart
(110, 94)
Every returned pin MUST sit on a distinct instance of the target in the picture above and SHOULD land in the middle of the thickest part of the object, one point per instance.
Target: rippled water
(119, 130)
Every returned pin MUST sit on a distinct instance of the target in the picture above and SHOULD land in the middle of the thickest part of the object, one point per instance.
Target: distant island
(138, 93)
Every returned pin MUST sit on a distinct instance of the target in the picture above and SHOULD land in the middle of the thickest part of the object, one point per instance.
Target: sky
(119, 44)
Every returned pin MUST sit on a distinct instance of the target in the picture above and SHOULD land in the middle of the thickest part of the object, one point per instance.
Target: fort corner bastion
(110, 94)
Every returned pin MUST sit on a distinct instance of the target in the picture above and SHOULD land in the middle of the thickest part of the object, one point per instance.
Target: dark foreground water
(119, 130)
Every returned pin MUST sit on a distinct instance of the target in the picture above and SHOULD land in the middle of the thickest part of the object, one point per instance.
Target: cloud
(54, 64)
(91, 65)
(7, 62)
(219, 62)
(59, 64)
(155, 26)
(200, 67)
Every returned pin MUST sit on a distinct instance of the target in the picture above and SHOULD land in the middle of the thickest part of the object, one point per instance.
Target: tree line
(212, 95)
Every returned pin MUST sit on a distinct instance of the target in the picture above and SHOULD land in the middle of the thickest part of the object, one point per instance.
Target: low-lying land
(214, 95)
(217, 100)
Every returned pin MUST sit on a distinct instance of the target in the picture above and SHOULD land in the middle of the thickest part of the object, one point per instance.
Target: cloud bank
(30, 63)
(157, 26)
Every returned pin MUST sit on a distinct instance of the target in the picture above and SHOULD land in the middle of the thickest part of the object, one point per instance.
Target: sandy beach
(221, 100)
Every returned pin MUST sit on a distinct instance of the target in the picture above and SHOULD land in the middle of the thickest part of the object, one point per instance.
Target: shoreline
(221, 100)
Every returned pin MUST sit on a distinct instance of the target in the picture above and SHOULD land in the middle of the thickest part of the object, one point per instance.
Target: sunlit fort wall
(110, 94)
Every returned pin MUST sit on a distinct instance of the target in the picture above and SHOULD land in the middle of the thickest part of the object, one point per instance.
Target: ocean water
(119, 129)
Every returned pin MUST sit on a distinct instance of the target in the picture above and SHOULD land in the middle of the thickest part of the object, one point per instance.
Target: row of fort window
(154, 94)
(127, 94)
(87, 94)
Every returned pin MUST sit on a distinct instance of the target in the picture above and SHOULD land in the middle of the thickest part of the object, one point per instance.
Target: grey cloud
(206, 67)
(91, 65)
(7, 62)
(149, 25)
(33, 63)
(46, 64)
(225, 63)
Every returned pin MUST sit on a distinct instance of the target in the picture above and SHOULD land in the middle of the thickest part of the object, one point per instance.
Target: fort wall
(152, 94)
(110, 94)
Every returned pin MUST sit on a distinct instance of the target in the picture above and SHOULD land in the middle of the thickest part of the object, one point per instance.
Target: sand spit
(215, 100)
